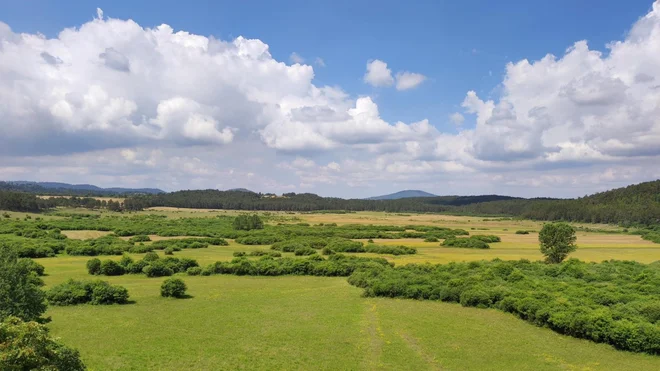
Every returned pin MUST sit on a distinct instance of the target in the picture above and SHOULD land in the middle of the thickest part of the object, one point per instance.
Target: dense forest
(633, 205)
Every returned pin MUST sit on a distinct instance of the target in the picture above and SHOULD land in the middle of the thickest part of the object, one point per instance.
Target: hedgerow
(613, 302)
(151, 265)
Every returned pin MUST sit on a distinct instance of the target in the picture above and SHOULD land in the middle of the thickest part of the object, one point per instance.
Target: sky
(339, 98)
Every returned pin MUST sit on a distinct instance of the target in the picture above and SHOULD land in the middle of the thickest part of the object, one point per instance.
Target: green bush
(169, 251)
(111, 268)
(98, 292)
(194, 271)
(173, 288)
(302, 251)
(248, 222)
(32, 266)
(157, 269)
(487, 238)
(469, 243)
(522, 232)
(140, 238)
(150, 257)
(239, 253)
(94, 266)
(431, 239)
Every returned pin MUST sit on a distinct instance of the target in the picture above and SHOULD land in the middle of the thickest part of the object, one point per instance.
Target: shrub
(302, 251)
(150, 257)
(169, 251)
(327, 251)
(140, 238)
(345, 245)
(386, 249)
(141, 248)
(239, 253)
(173, 288)
(98, 292)
(94, 266)
(258, 240)
(125, 261)
(102, 293)
(470, 243)
(194, 271)
(157, 269)
(32, 266)
(111, 268)
(487, 238)
(431, 239)
(522, 232)
(28, 346)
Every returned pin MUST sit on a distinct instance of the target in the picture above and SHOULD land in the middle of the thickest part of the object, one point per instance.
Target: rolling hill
(409, 193)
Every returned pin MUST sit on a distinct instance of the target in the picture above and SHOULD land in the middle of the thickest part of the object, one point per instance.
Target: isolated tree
(28, 346)
(20, 287)
(557, 240)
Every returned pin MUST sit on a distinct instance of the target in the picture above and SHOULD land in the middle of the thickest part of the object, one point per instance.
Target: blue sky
(458, 46)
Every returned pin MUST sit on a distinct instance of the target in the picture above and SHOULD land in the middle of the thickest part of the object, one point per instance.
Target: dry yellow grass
(83, 235)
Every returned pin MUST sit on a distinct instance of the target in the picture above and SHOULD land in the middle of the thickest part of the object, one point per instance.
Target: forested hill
(636, 204)
(66, 189)
(213, 199)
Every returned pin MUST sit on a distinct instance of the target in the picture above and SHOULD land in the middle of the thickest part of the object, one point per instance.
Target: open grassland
(305, 323)
(295, 322)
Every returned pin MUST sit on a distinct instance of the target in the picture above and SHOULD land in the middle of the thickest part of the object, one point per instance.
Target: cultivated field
(306, 322)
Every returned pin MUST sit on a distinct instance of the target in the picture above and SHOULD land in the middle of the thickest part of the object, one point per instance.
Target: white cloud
(457, 118)
(319, 62)
(378, 74)
(296, 58)
(408, 80)
(138, 106)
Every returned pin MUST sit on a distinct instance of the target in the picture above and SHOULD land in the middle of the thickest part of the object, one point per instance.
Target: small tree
(248, 222)
(557, 240)
(173, 288)
(20, 288)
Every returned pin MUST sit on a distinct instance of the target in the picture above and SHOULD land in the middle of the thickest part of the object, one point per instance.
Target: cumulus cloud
(115, 103)
(296, 58)
(378, 74)
(457, 118)
(408, 80)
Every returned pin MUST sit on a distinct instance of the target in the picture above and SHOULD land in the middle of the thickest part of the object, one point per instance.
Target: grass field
(324, 323)
(306, 323)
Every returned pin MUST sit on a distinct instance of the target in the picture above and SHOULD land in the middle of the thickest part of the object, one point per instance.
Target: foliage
(390, 249)
(557, 240)
(469, 243)
(613, 302)
(522, 232)
(173, 288)
(315, 265)
(140, 238)
(20, 287)
(28, 346)
(248, 222)
(111, 268)
(97, 292)
(94, 266)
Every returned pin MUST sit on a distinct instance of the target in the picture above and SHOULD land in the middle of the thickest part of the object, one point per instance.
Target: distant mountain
(240, 190)
(50, 187)
(410, 193)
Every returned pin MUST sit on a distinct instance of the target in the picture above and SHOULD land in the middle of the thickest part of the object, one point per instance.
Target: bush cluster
(151, 265)
(248, 222)
(613, 302)
(315, 265)
(468, 243)
(96, 292)
(522, 232)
